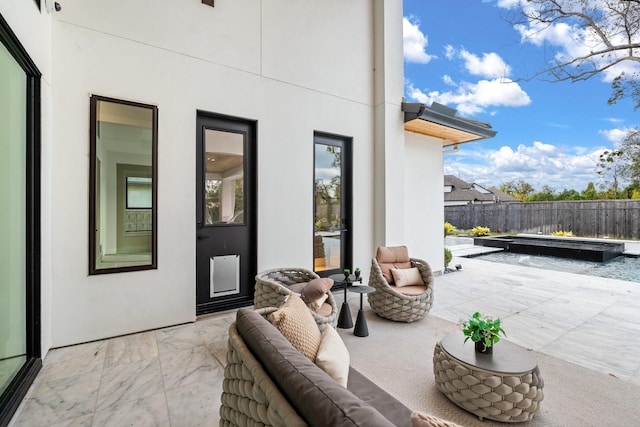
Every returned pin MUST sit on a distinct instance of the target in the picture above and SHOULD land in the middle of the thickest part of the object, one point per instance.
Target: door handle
(201, 237)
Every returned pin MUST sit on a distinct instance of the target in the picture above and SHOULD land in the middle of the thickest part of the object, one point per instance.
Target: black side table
(344, 319)
(361, 329)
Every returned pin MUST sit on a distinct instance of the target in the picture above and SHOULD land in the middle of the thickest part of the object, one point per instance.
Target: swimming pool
(621, 268)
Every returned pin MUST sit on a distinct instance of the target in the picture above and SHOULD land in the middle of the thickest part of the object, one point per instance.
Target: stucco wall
(239, 59)
(295, 67)
(424, 198)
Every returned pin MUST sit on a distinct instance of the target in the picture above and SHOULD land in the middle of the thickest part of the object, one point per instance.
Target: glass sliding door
(332, 204)
(13, 346)
(19, 222)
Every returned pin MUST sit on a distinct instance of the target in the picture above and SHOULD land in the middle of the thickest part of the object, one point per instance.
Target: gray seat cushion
(319, 399)
(389, 406)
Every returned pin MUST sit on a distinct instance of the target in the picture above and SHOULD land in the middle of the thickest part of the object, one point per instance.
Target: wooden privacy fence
(619, 219)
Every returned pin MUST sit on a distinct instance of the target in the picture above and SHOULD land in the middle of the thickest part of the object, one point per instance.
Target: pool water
(621, 268)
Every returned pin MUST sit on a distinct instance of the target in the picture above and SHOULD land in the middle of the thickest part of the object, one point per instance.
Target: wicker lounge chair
(272, 288)
(401, 304)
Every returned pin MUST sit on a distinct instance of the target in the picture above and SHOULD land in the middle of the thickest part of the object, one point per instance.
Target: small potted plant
(347, 273)
(484, 331)
(356, 273)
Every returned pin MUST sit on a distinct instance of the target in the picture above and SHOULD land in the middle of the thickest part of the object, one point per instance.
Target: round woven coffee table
(505, 386)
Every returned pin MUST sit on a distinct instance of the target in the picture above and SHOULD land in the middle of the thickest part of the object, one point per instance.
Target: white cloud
(414, 42)
(539, 164)
(474, 98)
(449, 52)
(470, 98)
(507, 4)
(615, 135)
(491, 65)
(448, 80)
(416, 94)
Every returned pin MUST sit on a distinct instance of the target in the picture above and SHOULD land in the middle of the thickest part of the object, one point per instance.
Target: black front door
(225, 212)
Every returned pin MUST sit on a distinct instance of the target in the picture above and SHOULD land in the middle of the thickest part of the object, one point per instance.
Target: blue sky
(463, 53)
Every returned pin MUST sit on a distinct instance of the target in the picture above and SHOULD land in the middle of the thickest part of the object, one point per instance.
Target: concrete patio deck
(174, 376)
(590, 321)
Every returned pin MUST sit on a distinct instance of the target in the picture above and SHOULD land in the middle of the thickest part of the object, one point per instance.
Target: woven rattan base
(512, 397)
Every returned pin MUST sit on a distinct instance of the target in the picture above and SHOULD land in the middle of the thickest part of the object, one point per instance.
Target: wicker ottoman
(505, 386)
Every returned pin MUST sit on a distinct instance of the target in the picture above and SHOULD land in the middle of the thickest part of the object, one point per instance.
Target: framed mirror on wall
(123, 186)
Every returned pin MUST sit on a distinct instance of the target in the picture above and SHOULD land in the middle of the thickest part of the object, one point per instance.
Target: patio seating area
(173, 376)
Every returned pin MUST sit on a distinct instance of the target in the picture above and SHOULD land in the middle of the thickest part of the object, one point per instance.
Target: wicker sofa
(268, 382)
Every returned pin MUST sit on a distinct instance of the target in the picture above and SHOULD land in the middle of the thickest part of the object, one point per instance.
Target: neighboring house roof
(502, 196)
(441, 122)
(462, 191)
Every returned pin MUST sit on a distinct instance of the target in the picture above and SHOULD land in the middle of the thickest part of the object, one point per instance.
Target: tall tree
(605, 38)
(568, 195)
(609, 168)
(544, 195)
(520, 189)
(590, 192)
(600, 38)
(630, 149)
(622, 164)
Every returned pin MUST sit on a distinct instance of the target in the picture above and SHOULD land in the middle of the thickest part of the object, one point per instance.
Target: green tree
(609, 168)
(520, 189)
(589, 193)
(632, 191)
(544, 195)
(568, 195)
(630, 156)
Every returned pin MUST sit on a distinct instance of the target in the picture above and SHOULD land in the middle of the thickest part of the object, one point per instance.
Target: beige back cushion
(389, 257)
(295, 322)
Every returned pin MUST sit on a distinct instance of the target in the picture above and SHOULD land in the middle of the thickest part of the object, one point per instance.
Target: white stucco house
(155, 155)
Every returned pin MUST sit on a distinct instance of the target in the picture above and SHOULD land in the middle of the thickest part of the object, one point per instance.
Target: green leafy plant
(449, 229)
(481, 328)
(346, 271)
(480, 231)
(447, 257)
(561, 233)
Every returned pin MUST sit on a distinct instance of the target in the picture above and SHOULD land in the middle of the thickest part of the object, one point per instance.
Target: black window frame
(346, 212)
(153, 265)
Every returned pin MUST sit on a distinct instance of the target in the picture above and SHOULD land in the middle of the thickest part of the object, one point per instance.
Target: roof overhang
(440, 121)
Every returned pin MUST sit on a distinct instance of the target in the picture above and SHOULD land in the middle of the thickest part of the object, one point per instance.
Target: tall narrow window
(332, 204)
(123, 208)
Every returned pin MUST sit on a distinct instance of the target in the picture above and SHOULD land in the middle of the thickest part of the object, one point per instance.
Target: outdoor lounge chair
(402, 302)
(273, 287)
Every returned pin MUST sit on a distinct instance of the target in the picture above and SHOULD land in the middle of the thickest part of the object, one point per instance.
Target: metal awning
(440, 121)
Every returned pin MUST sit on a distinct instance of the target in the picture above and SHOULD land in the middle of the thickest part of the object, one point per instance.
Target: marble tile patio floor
(173, 376)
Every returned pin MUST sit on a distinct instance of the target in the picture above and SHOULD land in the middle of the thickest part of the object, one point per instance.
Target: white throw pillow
(407, 276)
(333, 356)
